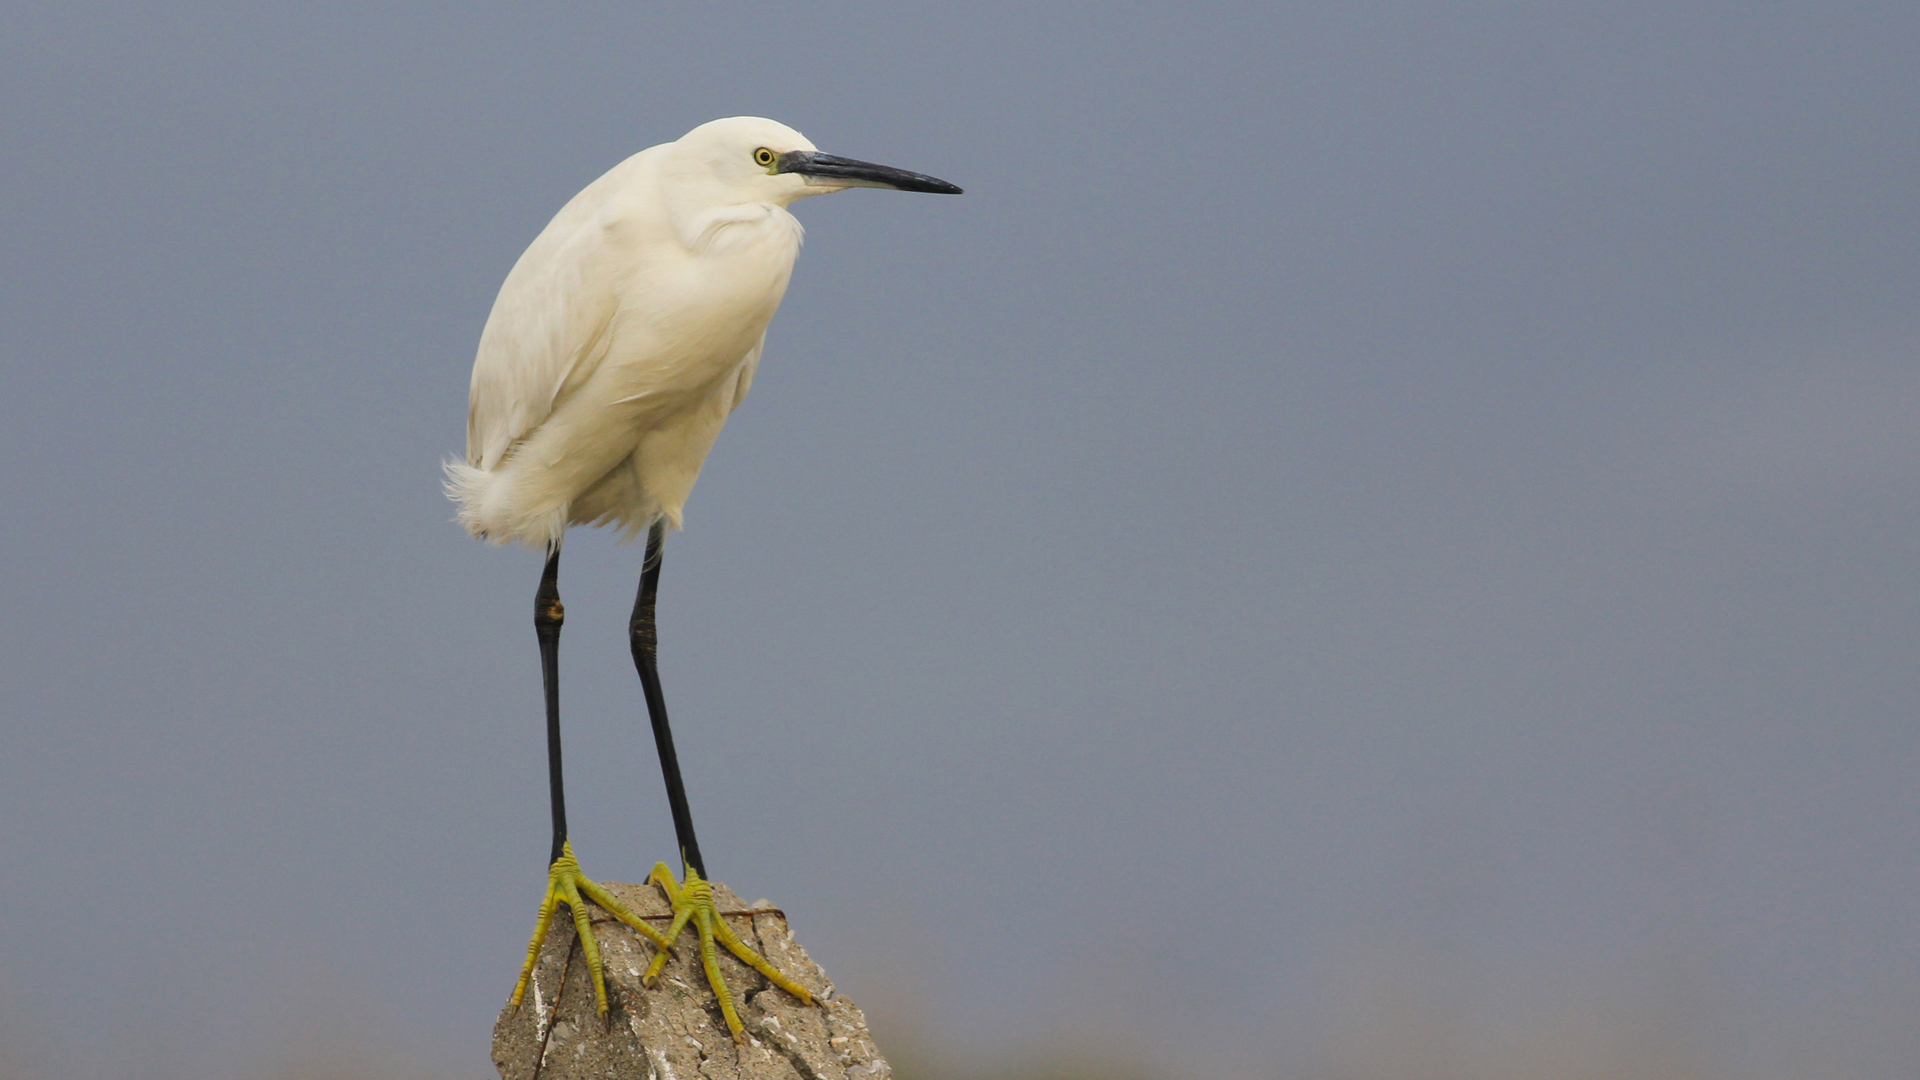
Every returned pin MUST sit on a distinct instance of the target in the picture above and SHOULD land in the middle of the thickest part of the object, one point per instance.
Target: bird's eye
(765, 158)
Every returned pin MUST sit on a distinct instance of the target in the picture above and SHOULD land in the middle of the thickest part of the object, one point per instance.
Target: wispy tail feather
(477, 493)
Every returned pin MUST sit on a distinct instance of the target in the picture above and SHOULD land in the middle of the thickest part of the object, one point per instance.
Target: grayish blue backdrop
(1366, 520)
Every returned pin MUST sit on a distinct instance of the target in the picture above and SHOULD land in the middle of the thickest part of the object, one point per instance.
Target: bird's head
(752, 159)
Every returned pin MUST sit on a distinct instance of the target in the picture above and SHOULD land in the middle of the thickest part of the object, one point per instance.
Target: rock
(674, 1031)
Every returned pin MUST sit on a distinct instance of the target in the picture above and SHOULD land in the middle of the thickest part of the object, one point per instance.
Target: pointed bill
(828, 170)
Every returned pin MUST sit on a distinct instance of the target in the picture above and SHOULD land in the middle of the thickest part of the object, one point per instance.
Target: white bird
(620, 342)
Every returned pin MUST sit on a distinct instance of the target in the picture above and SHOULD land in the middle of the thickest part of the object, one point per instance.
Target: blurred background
(1376, 540)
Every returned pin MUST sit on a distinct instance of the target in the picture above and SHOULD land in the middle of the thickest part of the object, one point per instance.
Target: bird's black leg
(565, 883)
(692, 899)
(644, 639)
(548, 615)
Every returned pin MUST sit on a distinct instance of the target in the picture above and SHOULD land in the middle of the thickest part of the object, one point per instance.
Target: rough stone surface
(675, 1031)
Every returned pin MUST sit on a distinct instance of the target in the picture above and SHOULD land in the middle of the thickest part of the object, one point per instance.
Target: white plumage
(620, 342)
(626, 334)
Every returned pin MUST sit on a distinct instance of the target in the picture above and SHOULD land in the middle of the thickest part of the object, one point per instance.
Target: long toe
(693, 902)
(568, 886)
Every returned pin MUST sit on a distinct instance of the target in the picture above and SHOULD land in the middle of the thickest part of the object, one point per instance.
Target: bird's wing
(548, 331)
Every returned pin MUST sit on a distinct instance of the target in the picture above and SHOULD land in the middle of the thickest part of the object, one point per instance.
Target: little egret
(619, 343)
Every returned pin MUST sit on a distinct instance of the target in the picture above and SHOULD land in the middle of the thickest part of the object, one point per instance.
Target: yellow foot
(566, 885)
(693, 902)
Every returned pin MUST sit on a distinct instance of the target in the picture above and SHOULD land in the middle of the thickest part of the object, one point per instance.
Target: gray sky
(1361, 512)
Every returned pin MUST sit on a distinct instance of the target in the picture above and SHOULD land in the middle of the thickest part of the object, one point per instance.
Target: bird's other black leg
(644, 639)
(691, 899)
(565, 882)
(548, 615)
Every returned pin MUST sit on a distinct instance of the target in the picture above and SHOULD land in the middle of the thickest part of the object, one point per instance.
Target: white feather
(624, 336)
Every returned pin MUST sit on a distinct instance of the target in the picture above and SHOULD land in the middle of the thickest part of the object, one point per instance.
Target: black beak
(850, 173)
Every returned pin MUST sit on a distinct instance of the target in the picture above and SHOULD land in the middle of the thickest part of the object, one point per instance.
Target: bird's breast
(692, 312)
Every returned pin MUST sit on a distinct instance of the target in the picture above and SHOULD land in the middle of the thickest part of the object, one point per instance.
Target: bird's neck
(726, 229)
